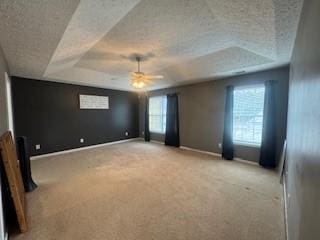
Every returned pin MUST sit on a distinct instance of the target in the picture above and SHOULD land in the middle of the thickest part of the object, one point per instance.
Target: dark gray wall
(303, 177)
(48, 113)
(201, 109)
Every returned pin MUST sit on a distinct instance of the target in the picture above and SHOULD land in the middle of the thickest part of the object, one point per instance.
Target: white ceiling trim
(90, 22)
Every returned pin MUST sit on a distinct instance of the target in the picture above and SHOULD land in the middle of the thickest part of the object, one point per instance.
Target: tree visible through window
(157, 114)
(248, 115)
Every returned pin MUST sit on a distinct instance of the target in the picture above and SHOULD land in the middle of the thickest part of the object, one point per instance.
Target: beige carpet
(146, 191)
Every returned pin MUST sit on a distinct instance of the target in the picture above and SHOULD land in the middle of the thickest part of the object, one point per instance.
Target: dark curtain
(172, 137)
(268, 143)
(146, 121)
(227, 144)
(24, 163)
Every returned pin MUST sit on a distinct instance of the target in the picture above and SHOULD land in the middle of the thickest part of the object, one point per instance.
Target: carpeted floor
(146, 191)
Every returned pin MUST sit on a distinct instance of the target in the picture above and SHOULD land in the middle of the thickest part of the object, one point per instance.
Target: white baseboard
(200, 151)
(82, 148)
(133, 139)
(217, 155)
(155, 141)
(246, 161)
(285, 207)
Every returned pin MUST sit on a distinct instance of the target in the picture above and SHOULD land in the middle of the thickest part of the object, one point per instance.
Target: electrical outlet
(81, 140)
(219, 145)
(142, 132)
(127, 134)
(38, 146)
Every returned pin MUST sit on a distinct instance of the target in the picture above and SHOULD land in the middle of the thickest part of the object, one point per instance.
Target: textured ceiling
(91, 42)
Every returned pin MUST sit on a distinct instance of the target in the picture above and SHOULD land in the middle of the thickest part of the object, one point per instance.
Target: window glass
(157, 114)
(248, 115)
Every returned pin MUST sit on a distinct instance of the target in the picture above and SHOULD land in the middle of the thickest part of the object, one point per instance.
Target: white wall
(4, 122)
(3, 96)
(9, 103)
(303, 151)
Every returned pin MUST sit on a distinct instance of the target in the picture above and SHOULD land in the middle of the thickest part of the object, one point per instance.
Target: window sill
(247, 145)
(162, 133)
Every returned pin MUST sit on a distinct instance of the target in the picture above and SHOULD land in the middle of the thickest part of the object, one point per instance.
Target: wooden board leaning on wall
(11, 165)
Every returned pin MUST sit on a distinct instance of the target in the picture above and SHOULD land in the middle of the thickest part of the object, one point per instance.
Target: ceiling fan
(140, 79)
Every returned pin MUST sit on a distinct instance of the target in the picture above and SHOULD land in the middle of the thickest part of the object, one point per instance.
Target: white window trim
(242, 87)
(247, 144)
(153, 131)
(240, 143)
(157, 132)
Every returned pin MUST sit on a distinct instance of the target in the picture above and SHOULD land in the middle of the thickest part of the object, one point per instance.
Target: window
(248, 115)
(157, 114)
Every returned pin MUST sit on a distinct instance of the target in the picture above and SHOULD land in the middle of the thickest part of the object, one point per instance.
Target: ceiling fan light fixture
(138, 83)
(140, 79)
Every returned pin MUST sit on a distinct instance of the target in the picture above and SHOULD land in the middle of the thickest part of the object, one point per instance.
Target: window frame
(161, 115)
(244, 143)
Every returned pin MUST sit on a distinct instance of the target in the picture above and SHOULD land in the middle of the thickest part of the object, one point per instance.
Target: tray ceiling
(91, 42)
